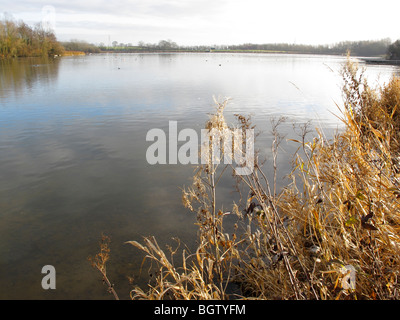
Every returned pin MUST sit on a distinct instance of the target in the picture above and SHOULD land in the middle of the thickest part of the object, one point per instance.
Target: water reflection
(20, 75)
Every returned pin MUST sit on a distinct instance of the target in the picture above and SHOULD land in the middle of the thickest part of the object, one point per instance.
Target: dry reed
(333, 233)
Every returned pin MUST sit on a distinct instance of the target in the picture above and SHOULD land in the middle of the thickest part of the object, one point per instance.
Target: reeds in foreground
(333, 233)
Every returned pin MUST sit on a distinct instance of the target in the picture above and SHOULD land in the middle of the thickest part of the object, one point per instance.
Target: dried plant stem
(99, 262)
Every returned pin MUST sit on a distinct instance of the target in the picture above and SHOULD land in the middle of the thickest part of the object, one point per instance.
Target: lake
(73, 152)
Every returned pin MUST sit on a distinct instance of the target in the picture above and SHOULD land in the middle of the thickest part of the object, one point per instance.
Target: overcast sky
(208, 22)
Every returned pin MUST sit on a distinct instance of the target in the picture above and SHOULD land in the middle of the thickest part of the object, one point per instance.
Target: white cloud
(215, 21)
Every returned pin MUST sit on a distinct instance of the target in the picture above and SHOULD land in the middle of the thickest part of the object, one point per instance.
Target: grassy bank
(332, 233)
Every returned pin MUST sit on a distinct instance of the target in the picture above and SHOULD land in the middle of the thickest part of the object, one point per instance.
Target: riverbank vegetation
(332, 233)
(17, 39)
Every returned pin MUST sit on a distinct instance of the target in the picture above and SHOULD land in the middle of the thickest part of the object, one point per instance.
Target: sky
(212, 22)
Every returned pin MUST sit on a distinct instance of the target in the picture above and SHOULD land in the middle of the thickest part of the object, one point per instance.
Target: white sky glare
(208, 22)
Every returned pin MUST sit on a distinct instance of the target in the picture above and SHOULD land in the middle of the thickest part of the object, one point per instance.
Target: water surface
(73, 152)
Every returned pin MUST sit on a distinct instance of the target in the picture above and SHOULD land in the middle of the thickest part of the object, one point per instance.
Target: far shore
(369, 60)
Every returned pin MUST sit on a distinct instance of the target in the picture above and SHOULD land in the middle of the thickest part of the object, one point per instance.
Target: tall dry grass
(332, 233)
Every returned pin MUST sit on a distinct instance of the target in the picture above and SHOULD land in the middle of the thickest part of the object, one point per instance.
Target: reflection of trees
(166, 58)
(17, 74)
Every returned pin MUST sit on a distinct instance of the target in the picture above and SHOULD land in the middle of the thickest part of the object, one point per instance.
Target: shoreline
(380, 61)
(221, 51)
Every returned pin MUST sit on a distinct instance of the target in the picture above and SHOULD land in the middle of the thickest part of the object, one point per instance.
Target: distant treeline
(162, 45)
(369, 48)
(17, 39)
(356, 48)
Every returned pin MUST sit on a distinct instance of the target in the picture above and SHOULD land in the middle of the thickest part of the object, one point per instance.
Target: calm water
(73, 146)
